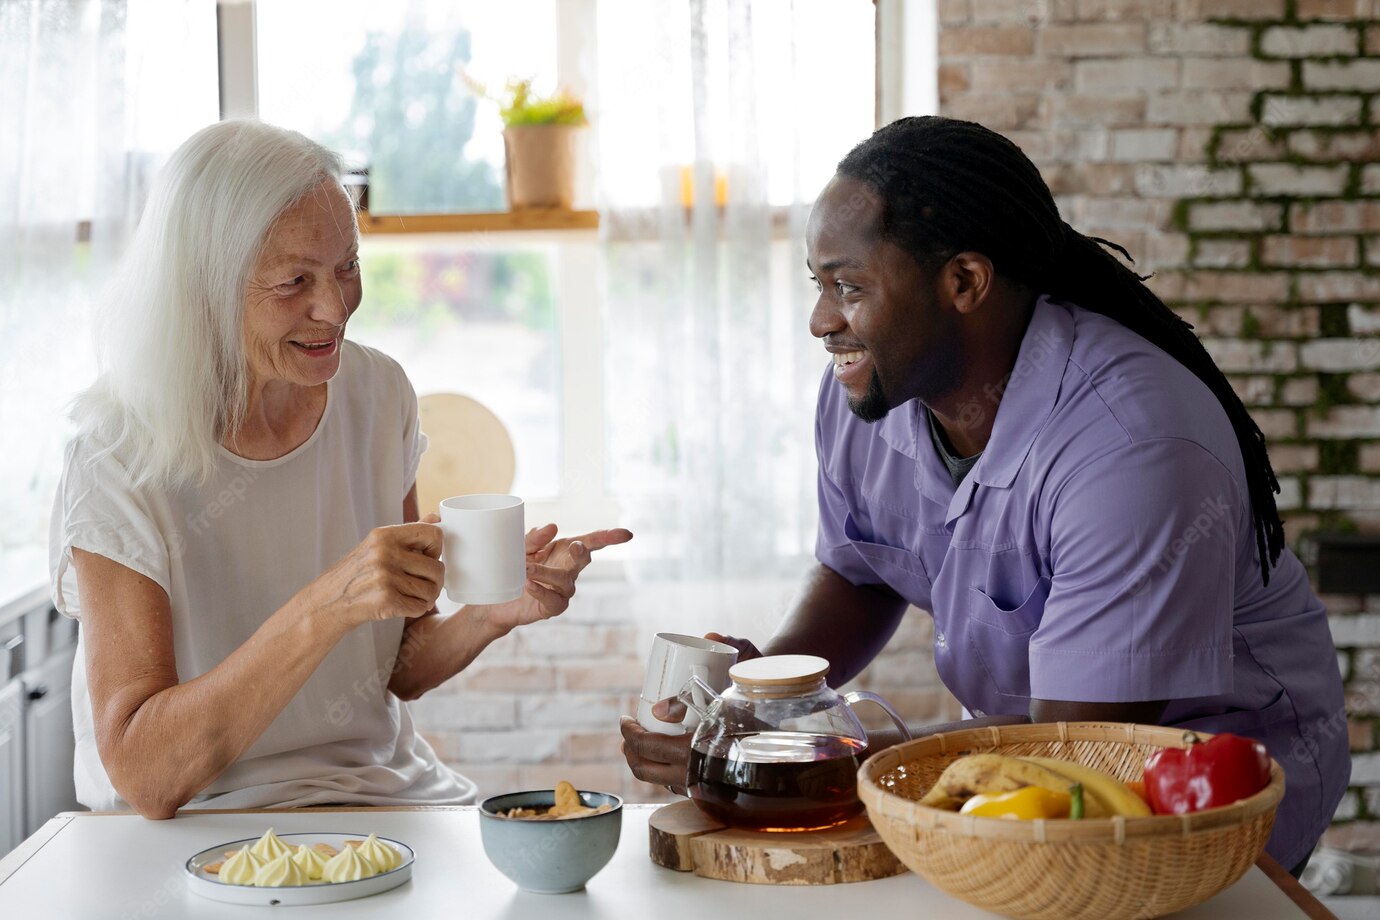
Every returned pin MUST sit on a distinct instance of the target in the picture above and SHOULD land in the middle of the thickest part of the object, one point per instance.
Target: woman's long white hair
(172, 379)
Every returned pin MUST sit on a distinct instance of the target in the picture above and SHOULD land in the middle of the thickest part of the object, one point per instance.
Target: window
(474, 319)
(380, 82)
(383, 84)
(96, 96)
(514, 319)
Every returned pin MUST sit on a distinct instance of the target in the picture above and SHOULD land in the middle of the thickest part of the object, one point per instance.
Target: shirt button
(940, 641)
(978, 713)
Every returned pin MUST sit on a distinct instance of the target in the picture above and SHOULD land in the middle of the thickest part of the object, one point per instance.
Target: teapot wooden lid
(779, 670)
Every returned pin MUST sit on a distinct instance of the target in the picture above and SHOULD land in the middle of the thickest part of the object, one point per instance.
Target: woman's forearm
(162, 748)
(436, 647)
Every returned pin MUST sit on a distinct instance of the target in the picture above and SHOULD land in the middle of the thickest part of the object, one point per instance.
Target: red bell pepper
(1222, 770)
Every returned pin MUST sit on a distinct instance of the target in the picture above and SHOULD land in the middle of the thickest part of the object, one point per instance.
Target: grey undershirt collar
(958, 466)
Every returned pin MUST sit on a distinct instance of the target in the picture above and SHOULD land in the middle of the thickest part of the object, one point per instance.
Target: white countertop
(121, 866)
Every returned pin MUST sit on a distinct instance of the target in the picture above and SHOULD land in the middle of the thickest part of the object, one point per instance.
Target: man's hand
(662, 760)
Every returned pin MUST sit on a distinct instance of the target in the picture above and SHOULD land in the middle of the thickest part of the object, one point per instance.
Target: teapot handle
(687, 694)
(855, 696)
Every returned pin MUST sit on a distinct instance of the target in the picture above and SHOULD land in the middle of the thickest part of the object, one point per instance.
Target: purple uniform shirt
(1101, 550)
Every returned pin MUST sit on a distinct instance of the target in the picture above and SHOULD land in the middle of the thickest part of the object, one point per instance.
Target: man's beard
(872, 406)
(938, 378)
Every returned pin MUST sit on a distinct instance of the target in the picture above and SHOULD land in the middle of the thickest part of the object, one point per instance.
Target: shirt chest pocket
(902, 570)
(1000, 638)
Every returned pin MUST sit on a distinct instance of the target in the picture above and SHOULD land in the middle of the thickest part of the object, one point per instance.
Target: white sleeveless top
(232, 552)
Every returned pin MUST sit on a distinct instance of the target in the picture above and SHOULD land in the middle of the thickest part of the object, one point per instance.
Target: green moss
(1214, 146)
(1333, 322)
(1179, 216)
(1338, 458)
(1250, 325)
(1332, 391)
(1329, 522)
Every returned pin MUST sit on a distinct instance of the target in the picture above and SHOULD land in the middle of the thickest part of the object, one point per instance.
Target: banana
(996, 773)
(1113, 795)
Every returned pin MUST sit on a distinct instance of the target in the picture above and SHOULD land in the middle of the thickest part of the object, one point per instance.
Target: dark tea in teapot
(779, 781)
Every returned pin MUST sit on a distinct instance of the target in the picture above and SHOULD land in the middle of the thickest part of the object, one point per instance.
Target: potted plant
(539, 136)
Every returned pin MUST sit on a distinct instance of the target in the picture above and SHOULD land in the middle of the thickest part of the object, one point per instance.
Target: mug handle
(856, 696)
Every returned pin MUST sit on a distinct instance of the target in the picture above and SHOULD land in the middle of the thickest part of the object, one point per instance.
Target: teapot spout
(697, 695)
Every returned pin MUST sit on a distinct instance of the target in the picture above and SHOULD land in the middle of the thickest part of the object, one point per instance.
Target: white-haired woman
(237, 522)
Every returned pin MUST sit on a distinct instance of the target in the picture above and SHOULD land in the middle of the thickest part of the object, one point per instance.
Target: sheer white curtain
(95, 93)
(713, 140)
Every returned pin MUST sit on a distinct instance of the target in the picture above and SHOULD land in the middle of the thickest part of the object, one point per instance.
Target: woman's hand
(395, 571)
(552, 568)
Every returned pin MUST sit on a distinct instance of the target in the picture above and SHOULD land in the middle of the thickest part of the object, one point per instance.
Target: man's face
(877, 311)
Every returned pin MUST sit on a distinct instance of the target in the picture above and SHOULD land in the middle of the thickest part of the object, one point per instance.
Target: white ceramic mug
(483, 548)
(674, 659)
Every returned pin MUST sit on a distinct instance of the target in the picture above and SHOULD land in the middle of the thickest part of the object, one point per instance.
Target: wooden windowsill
(491, 222)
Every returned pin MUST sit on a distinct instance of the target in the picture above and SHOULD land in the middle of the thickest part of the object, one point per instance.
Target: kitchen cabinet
(12, 829)
(37, 649)
(49, 745)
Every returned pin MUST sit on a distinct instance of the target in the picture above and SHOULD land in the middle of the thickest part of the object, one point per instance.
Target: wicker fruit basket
(1063, 870)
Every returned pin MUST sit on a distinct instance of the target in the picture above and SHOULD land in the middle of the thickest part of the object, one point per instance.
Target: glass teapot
(779, 750)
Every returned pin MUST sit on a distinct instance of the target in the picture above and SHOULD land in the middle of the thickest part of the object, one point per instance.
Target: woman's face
(303, 288)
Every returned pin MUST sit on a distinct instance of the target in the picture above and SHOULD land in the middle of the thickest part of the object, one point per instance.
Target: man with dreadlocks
(1017, 435)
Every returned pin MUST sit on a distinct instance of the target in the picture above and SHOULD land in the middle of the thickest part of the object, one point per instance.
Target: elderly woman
(237, 525)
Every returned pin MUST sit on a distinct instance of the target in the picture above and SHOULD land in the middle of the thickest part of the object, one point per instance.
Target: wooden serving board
(682, 838)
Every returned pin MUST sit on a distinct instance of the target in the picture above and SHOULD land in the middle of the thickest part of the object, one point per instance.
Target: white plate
(208, 886)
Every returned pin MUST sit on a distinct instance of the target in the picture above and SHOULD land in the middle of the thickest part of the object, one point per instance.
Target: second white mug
(674, 659)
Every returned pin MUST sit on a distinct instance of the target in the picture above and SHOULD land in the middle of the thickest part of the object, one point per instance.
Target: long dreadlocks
(951, 186)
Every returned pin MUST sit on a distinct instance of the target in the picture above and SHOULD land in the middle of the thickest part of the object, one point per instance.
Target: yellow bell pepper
(1025, 804)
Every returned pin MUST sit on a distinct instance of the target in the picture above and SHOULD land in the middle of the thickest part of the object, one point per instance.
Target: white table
(121, 866)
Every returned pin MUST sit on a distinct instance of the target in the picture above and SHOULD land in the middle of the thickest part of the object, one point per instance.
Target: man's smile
(851, 366)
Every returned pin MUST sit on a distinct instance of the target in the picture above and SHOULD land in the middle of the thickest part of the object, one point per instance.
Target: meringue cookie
(269, 847)
(280, 871)
(312, 862)
(347, 866)
(384, 857)
(240, 868)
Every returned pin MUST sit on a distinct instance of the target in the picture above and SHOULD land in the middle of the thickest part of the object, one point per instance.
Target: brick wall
(1231, 146)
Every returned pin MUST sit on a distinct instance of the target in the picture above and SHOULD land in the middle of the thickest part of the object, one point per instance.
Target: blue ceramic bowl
(549, 857)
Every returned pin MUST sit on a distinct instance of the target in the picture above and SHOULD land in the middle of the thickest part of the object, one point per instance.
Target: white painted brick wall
(1309, 41)
(1287, 179)
(1370, 179)
(1358, 74)
(1235, 215)
(1346, 422)
(1145, 73)
(1355, 630)
(1178, 38)
(1174, 181)
(1311, 110)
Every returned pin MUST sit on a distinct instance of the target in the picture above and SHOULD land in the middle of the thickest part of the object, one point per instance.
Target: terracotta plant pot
(540, 163)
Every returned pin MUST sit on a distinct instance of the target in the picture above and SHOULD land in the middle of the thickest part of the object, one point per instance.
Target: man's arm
(835, 619)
